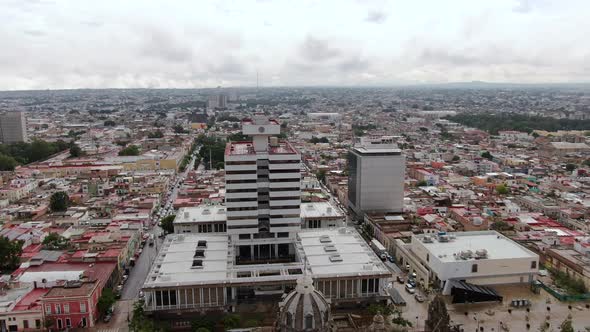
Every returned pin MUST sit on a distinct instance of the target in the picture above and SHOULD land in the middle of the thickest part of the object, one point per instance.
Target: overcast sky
(198, 43)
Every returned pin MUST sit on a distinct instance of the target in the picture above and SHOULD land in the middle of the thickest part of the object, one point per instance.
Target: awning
(464, 292)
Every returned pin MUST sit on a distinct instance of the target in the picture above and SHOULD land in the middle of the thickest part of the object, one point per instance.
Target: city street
(143, 263)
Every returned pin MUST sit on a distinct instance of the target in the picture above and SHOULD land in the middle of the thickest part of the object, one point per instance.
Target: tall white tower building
(263, 192)
(376, 176)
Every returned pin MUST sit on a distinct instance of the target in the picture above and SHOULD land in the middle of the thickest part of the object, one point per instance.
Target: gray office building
(376, 177)
(13, 127)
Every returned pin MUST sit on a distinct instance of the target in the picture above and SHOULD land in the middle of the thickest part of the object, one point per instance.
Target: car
(391, 259)
(125, 277)
(401, 279)
(412, 282)
(119, 288)
(107, 318)
(410, 289)
(419, 298)
(141, 295)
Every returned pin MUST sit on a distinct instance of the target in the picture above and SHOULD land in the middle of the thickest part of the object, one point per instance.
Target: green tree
(7, 163)
(179, 129)
(502, 189)
(438, 316)
(456, 158)
(10, 252)
(140, 322)
(167, 223)
(421, 183)
(570, 167)
(75, 151)
(321, 175)
(109, 123)
(131, 150)
(156, 134)
(231, 321)
(59, 201)
(54, 241)
(105, 301)
(487, 155)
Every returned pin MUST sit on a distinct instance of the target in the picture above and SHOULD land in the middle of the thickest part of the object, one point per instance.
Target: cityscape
(257, 166)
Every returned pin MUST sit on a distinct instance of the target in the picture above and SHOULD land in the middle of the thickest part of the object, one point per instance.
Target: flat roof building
(376, 177)
(481, 258)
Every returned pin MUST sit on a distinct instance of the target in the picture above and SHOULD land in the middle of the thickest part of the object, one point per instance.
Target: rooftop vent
(330, 248)
(325, 239)
(335, 258)
(206, 211)
(221, 211)
(202, 244)
(199, 253)
(443, 238)
(481, 253)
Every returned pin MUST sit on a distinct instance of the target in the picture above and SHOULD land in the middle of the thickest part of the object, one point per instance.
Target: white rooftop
(320, 209)
(496, 245)
(357, 257)
(201, 213)
(173, 265)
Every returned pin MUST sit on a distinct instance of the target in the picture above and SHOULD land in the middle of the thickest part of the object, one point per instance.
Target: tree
(231, 321)
(75, 151)
(421, 183)
(139, 322)
(487, 155)
(131, 150)
(179, 129)
(10, 252)
(456, 158)
(105, 301)
(156, 134)
(54, 241)
(59, 201)
(7, 163)
(316, 140)
(109, 123)
(502, 189)
(321, 175)
(438, 317)
(570, 167)
(566, 325)
(167, 223)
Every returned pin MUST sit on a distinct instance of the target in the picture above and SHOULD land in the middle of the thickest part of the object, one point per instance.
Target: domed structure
(304, 309)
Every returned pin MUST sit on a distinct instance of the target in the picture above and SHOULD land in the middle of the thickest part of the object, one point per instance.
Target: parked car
(391, 258)
(401, 279)
(412, 282)
(410, 289)
(419, 298)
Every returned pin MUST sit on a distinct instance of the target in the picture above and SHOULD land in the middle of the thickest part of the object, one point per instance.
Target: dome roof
(304, 309)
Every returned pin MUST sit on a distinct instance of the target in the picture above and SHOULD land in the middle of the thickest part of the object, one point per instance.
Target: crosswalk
(116, 329)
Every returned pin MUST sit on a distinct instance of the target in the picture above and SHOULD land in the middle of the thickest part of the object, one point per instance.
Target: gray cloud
(523, 6)
(375, 16)
(314, 49)
(35, 33)
(162, 44)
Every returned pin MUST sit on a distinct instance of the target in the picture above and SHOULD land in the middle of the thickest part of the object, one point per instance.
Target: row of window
(58, 309)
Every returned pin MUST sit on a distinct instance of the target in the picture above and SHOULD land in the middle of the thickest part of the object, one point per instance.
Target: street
(139, 272)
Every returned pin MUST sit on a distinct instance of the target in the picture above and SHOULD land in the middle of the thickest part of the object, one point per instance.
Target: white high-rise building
(263, 192)
(376, 176)
(13, 127)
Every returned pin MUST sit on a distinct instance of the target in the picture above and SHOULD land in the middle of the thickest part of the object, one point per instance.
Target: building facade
(376, 177)
(13, 127)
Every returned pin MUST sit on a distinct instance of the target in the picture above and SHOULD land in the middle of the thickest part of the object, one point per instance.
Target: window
(427, 257)
(533, 264)
(474, 268)
(48, 309)
(25, 324)
(82, 307)
(66, 308)
(58, 309)
(37, 323)
(60, 324)
(289, 319)
(68, 323)
(308, 321)
(83, 321)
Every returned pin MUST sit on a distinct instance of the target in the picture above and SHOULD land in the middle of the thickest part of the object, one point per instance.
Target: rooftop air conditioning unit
(335, 258)
(481, 253)
(427, 239)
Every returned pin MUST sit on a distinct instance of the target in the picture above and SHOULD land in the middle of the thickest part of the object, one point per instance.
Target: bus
(379, 249)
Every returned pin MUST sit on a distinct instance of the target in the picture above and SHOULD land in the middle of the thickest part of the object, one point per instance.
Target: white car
(410, 289)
